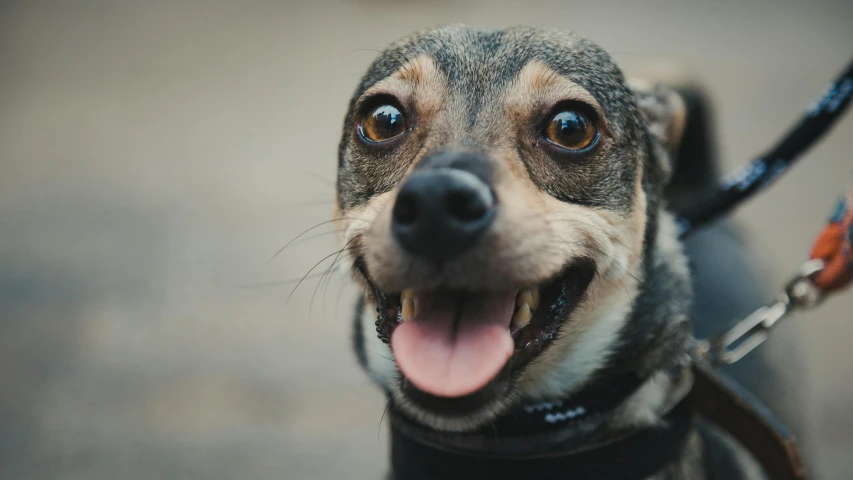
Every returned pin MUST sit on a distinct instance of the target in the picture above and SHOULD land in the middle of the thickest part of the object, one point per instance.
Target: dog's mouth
(459, 350)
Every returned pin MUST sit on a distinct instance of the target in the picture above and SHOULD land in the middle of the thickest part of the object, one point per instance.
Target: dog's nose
(441, 213)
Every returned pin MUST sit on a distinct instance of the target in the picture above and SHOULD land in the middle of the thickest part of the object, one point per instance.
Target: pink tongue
(455, 345)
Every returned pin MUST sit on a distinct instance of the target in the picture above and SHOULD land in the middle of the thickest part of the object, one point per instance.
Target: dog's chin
(534, 317)
(456, 414)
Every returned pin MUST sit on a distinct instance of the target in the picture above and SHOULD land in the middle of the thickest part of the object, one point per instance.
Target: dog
(504, 198)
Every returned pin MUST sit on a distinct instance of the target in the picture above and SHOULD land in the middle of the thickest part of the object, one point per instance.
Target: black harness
(543, 452)
(634, 455)
(532, 442)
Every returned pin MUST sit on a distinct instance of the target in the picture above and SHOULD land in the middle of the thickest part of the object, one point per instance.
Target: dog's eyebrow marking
(538, 85)
(418, 81)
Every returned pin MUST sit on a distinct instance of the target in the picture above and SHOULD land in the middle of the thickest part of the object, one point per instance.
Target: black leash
(761, 172)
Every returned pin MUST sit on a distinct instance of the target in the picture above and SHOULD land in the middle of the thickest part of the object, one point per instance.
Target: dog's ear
(664, 112)
(676, 110)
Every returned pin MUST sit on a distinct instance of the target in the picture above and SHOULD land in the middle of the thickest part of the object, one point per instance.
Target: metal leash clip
(800, 293)
(829, 270)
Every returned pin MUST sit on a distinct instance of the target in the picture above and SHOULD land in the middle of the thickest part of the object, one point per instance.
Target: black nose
(441, 213)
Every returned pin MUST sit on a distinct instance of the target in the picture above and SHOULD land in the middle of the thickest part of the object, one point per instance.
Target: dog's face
(494, 190)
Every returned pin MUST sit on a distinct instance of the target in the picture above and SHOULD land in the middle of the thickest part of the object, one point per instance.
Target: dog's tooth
(408, 309)
(524, 296)
(534, 292)
(522, 316)
(407, 304)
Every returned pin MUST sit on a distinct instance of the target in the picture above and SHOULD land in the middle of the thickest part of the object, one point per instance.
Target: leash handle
(829, 270)
(833, 248)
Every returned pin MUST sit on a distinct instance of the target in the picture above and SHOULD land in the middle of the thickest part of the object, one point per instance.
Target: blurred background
(155, 155)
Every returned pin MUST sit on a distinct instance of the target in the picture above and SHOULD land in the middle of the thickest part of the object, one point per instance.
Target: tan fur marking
(590, 334)
(418, 82)
(539, 87)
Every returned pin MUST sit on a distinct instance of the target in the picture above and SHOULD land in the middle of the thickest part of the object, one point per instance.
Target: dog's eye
(382, 123)
(571, 130)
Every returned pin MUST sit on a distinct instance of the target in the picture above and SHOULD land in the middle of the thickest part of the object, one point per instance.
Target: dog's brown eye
(572, 130)
(382, 123)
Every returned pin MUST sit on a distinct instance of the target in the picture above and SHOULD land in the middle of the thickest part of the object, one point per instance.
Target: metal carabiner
(749, 333)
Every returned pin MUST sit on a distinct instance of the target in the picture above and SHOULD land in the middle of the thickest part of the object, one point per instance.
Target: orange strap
(833, 246)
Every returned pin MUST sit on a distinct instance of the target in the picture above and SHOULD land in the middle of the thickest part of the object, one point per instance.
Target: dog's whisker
(384, 412)
(312, 228)
(379, 355)
(337, 252)
(326, 181)
(605, 254)
(641, 282)
(328, 281)
(313, 237)
(277, 283)
(357, 237)
(326, 273)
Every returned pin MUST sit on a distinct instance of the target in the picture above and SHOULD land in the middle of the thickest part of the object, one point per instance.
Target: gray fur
(481, 63)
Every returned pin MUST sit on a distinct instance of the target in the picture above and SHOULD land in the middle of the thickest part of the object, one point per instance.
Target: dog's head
(495, 190)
